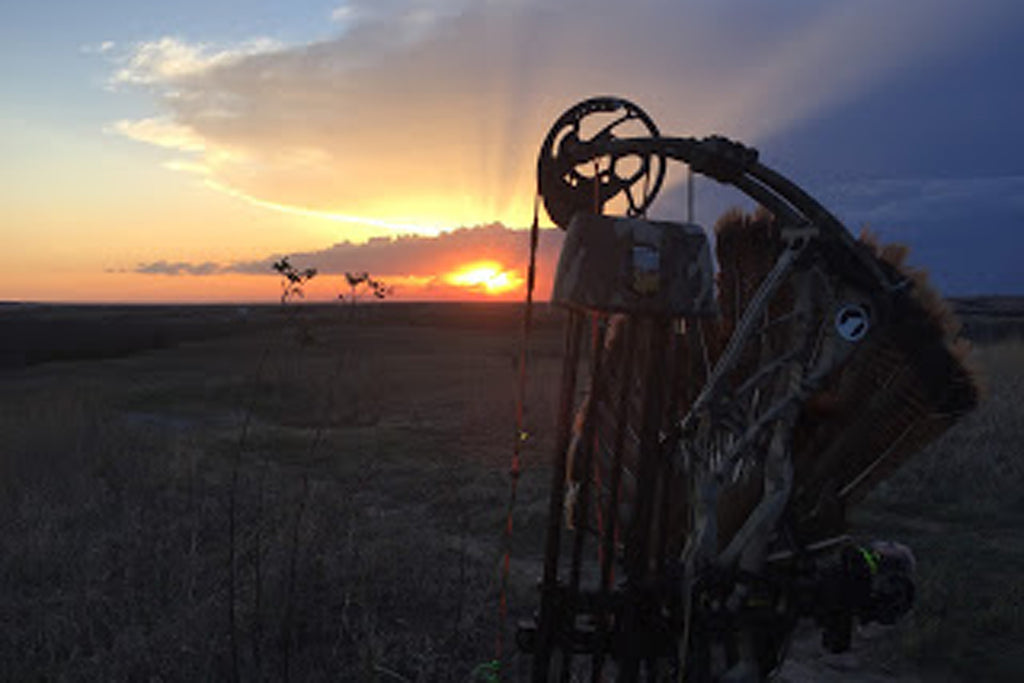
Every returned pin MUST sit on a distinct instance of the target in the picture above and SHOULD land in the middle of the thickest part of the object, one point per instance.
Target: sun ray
(406, 228)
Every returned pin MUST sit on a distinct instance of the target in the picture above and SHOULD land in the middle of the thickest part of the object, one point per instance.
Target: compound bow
(701, 476)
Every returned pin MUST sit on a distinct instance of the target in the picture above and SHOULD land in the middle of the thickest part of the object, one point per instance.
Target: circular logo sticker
(852, 322)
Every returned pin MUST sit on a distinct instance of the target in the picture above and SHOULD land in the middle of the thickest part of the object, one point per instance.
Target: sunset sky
(171, 151)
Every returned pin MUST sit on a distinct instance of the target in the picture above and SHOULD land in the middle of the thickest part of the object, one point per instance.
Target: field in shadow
(362, 456)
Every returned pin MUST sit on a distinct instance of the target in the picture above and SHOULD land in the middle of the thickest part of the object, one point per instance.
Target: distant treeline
(33, 334)
(991, 319)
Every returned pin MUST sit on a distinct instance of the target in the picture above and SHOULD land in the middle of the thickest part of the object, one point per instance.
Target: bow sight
(709, 445)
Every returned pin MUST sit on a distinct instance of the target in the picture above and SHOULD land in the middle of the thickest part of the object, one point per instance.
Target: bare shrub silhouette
(293, 279)
(361, 284)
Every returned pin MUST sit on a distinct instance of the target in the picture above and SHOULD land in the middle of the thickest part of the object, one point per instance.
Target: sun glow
(488, 276)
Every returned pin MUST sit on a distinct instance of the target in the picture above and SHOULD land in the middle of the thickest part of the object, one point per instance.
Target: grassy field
(360, 459)
(960, 505)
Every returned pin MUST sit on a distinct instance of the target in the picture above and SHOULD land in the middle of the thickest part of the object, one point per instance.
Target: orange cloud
(162, 132)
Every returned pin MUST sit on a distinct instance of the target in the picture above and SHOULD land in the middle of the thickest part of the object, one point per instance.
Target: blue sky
(51, 71)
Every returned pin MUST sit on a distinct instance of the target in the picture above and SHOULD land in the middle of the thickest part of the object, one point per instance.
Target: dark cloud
(957, 115)
(967, 232)
(179, 268)
(413, 255)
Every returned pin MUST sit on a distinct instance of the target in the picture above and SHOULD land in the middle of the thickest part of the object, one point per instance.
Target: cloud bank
(179, 268)
(419, 263)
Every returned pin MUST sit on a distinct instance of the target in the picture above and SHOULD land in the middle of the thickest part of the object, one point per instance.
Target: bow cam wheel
(571, 179)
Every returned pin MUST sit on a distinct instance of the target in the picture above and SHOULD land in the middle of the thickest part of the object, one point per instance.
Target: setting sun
(489, 276)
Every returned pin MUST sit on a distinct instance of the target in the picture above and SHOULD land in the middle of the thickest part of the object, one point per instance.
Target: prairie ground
(339, 477)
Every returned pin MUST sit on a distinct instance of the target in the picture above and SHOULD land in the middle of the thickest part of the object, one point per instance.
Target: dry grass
(960, 505)
(116, 477)
(115, 481)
